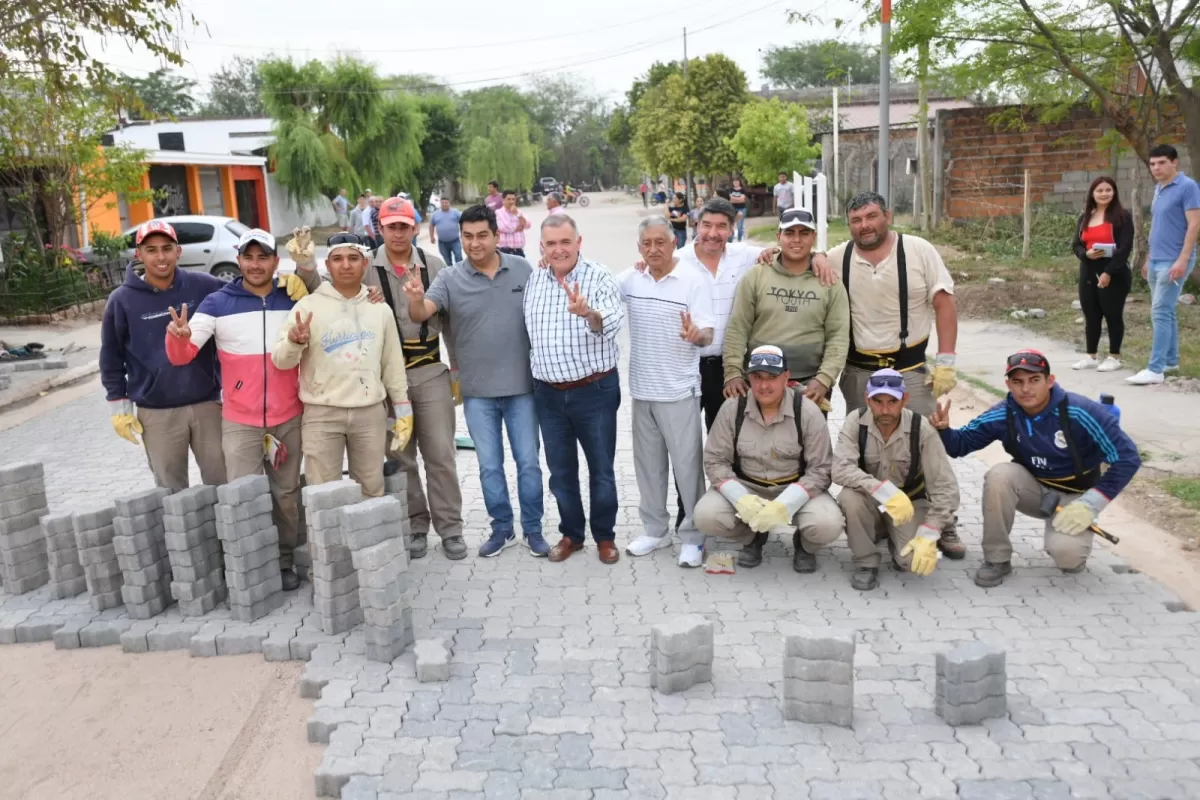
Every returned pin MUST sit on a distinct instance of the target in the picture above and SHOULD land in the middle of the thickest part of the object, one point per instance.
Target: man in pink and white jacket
(262, 408)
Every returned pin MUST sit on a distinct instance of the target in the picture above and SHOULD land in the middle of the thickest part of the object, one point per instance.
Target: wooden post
(1027, 218)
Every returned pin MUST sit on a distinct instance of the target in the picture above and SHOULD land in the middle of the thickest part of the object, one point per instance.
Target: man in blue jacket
(177, 408)
(1058, 440)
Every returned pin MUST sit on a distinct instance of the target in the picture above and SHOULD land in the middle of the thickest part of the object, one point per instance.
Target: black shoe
(453, 547)
(990, 574)
(865, 578)
(803, 561)
(751, 555)
(291, 581)
(418, 545)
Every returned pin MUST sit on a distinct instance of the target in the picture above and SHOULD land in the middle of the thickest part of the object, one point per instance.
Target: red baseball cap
(397, 209)
(1027, 361)
(156, 226)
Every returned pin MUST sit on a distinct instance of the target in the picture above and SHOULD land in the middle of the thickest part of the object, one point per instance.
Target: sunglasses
(888, 381)
(766, 360)
(344, 238)
(1035, 360)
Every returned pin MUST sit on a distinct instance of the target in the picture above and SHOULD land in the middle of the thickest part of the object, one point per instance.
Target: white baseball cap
(259, 237)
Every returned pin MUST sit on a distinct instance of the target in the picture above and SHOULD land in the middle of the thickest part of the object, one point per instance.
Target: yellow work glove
(924, 551)
(402, 429)
(779, 512)
(455, 387)
(123, 420)
(301, 248)
(294, 285)
(894, 502)
(1074, 518)
(944, 377)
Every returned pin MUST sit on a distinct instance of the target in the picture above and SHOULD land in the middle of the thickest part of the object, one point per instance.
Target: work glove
(402, 428)
(1080, 514)
(944, 377)
(894, 502)
(779, 512)
(123, 420)
(455, 387)
(924, 551)
(745, 503)
(300, 248)
(294, 285)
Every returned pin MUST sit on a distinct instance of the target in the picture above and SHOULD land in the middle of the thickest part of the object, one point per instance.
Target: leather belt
(562, 387)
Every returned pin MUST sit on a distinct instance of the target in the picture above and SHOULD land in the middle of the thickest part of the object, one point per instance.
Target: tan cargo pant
(168, 434)
(1009, 488)
(243, 446)
(330, 435)
(866, 525)
(433, 433)
(854, 386)
(820, 520)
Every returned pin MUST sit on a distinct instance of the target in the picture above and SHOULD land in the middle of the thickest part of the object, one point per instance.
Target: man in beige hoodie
(356, 363)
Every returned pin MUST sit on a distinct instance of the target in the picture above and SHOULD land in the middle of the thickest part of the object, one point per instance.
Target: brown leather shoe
(562, 551)
(608, 552)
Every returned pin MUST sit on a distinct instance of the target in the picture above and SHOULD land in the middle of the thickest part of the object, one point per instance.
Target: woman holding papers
(1103, 240)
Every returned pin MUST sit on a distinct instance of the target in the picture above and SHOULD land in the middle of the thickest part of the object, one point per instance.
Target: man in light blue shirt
(443, 231)
(1174, 225)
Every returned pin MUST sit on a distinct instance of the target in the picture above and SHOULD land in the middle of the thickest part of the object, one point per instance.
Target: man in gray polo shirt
(483, 297)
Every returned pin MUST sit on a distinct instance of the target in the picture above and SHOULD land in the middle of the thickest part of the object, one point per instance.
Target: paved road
(549, 695)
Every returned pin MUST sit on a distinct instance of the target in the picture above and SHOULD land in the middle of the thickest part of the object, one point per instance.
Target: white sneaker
(1109, 364)
(644, 545)
(1146, 378)
(1087, 362)
(691, 555)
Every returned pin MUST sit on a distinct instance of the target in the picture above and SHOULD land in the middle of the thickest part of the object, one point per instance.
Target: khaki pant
(820, 521)
(243, 445)
(854, 386)
(866, 525)
(433, 433)
(1009, 488)
(330, 434)
(168, 434)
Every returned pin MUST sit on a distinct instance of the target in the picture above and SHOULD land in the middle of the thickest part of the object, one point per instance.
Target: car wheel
(226, 272)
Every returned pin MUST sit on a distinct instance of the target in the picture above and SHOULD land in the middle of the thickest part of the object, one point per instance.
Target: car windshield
(236, 228)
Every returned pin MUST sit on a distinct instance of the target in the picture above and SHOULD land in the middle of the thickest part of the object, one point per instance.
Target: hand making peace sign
(178, 326)
(577, 304)
(414, 289)
(299, 334)
(688, 330)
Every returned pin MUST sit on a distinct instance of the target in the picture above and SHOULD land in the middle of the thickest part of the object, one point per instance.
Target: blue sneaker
(497, 542)
(537, 545)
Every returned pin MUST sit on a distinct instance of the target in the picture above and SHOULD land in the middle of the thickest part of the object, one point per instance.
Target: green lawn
(1186, 490)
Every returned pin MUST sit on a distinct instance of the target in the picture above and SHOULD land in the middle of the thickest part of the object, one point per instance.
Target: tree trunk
(923, 166)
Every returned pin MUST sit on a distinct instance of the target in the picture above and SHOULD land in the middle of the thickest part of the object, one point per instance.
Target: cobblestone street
(549, 692)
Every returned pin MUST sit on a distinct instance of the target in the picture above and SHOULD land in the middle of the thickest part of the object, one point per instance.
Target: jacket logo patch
(792, 298)
(1060, 441)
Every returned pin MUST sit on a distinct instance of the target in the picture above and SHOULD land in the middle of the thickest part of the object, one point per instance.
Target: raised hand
(688, 330)
(178, 326)
(940, 418)
(414, 289)
(300, 332)
(577, 304)
(301, 247)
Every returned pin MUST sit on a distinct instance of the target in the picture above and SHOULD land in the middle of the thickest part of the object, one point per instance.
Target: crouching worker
(348, 350)
(896, 481)
(1057, 440)
(768, 458)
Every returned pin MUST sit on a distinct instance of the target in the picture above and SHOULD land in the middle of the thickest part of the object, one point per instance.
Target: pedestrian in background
(678, 211)
(784, 194)
(1103, 241)
(645, 190)
(358, 217)
(443, 231)
(341, 207)
(737, 196)
(512, 224)
(494, 199)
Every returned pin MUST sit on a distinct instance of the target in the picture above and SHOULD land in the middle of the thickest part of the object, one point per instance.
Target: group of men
(743, 342)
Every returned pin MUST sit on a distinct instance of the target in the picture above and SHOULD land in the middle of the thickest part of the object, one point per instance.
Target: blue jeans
(448, 249)
(485, 416)
(1164, 294)
(741, 226)
(680, 238)
(586, 415)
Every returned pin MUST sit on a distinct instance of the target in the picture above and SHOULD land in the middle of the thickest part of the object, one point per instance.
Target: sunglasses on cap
(766, 360)
(1027, 360)
(345, 238)
(885, 381)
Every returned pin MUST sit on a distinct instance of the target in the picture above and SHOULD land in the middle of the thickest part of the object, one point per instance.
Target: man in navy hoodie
(177, 408)
(1058, 440)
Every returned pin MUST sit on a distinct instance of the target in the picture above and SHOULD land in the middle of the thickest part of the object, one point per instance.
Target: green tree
(666, 127)
(773, 136)
(441, 150)
(236, 90)
(831, 62)
(159, 95)
(500, 139)
(719, 87)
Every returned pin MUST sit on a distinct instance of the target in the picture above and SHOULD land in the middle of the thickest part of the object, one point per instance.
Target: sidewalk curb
(64, 378)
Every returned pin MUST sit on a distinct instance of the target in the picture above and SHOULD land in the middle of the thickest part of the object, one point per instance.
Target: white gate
(810, 192)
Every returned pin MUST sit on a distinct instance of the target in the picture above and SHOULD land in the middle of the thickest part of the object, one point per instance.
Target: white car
(209, 244)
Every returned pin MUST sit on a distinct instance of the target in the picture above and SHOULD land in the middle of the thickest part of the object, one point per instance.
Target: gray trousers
(1009, 488)
(665, 432)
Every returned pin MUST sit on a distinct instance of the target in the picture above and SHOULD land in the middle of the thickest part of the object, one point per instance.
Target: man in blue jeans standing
(573, 312)
(1174, 224)
(443, 231)
(483, 298)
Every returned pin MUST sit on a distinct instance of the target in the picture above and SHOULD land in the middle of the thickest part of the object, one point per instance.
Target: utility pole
(687, 189)
(837, 186)
(885, 84)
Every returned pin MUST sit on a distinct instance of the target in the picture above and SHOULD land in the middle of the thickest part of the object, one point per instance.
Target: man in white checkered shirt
(573, 313)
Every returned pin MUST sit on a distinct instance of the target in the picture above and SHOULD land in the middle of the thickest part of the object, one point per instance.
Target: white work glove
(895, 502)
(778, 513)
(745, 503)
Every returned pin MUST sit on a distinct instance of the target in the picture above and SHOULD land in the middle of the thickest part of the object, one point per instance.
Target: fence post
(939, 167)
(822, 212)
(1026, 218)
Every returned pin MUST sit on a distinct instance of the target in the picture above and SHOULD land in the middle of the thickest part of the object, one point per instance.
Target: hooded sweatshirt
(133, 360)
(352, 358)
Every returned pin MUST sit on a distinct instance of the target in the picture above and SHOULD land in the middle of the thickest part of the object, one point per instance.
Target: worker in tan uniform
(432, 387)
(768, 458)
(896, 479)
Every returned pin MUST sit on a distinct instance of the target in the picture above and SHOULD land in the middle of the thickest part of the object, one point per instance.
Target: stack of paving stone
(818, 677)
(335, 583)
(23, 562)
(62, 552)
(197, 568)
(681, 654)
(94, 539)
(971, 684)
(141, 548)
(251, 544)
(396, 485)
(372, 532)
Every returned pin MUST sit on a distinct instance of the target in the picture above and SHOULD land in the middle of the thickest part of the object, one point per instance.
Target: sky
(472, 43)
